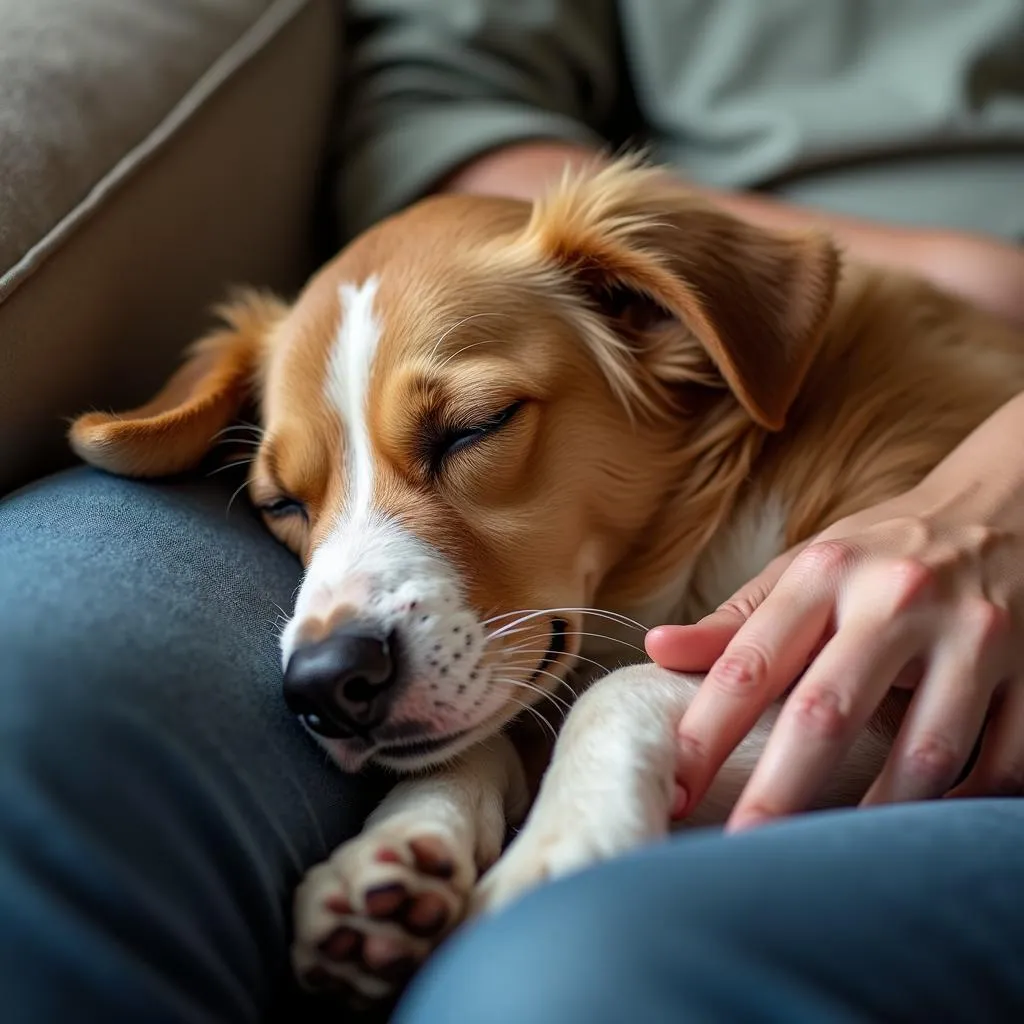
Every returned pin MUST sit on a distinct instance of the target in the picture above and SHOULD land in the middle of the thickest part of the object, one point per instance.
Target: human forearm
(985, 271)
(524, 170)
(985, 473)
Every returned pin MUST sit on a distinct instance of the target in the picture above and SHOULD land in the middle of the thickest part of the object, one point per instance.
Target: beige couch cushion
(151, 153)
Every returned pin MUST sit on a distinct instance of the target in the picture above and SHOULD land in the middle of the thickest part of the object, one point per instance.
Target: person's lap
(912, 913)
(157, 802)
(157, 805)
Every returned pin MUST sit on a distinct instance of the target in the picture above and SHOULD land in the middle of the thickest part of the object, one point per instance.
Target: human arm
(490, 96)
(983, 270)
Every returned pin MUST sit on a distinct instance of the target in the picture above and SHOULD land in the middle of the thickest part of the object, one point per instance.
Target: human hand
(923, 591)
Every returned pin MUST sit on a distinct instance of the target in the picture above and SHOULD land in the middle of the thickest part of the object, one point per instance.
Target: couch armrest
(151, 155)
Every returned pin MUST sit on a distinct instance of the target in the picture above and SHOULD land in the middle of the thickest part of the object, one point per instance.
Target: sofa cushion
(150, 155)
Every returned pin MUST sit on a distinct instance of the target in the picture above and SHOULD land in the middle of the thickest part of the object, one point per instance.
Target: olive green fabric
(908, 110)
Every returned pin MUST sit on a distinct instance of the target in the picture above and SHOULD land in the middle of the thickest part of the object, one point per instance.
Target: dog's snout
(342, 685)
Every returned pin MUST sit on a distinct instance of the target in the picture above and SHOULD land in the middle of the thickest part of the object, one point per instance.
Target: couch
(151, 153)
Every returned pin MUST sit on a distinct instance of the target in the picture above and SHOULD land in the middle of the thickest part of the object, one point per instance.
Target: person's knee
(157, 801)
(744, 928)
(605, 947)
(570, 951)
(138, 640)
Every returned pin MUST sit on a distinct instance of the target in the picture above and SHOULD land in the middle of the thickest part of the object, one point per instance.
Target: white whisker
(458, 324)
(531, 666)
(243, 441)
(250, 428)
(603, 612)
(611, 639)
(536, 714)
(622, 620)
(574, 632)
(230, 465)
(541, 672)
(539, 690)
(238, 490)
(539, 651)
(541, 637)
(512, 632)
(533, 638)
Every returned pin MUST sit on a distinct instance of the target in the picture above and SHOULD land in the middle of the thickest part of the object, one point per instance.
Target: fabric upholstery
(150, 153)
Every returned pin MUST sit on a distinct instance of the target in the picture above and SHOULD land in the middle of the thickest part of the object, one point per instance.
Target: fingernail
(659, 633)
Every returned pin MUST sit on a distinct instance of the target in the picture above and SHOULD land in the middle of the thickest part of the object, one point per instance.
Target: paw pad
(367, 918)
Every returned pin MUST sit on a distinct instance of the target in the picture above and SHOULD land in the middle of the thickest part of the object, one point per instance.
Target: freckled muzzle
(402, 692)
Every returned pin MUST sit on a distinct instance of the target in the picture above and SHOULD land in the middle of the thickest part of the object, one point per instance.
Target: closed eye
(452, 440)
(282, 507)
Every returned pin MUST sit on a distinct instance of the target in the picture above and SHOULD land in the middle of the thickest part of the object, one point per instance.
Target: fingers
(887, 615)
(696, 648)
(947, 714)
(999, 770)
(822, 717)
(764, 657)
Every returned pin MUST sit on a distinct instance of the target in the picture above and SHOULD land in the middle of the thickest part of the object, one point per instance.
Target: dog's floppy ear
(176, 428)
(651, 256)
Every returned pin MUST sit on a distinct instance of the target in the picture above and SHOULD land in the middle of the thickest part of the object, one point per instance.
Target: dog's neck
(898, 382)
(706, 477)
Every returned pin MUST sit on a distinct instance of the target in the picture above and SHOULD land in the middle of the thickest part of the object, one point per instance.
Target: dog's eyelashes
(456, 440)
(284, 506)
(452, 440)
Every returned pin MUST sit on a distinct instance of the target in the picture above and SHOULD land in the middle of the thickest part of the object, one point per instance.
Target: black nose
(342, 685)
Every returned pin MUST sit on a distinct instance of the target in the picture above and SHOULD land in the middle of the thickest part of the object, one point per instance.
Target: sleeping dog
(504, 438)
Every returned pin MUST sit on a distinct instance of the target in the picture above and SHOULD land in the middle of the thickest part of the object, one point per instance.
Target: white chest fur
(748, 541)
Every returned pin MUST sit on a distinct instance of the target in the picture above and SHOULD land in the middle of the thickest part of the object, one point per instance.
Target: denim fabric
(157, 801)
(158, 804)
(912, 913)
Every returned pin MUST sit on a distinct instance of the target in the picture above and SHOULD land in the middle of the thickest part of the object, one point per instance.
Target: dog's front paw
(554, 844)
(366, 918)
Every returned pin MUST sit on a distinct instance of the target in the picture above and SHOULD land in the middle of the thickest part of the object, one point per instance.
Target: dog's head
(469, 419)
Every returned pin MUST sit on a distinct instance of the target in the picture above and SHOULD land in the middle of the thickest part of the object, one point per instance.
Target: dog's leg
(611, 783)
(366, 918)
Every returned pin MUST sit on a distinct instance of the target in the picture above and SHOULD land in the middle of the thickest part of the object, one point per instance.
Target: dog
(506, 437)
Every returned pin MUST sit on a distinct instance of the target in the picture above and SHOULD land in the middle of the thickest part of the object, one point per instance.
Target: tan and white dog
(501, 437)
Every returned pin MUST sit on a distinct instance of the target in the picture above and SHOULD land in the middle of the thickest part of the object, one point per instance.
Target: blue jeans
(158, 805)
(912, 913)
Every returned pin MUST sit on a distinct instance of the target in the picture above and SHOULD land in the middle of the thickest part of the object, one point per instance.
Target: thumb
(697, 647)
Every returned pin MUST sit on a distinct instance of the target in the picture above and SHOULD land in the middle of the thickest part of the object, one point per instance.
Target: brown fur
(674, 363)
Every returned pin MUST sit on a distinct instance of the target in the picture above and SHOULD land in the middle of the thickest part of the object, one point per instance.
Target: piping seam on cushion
(253, 40)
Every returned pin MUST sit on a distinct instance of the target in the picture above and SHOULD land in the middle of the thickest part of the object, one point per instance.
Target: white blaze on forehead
(373, 567)
(348, 386)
